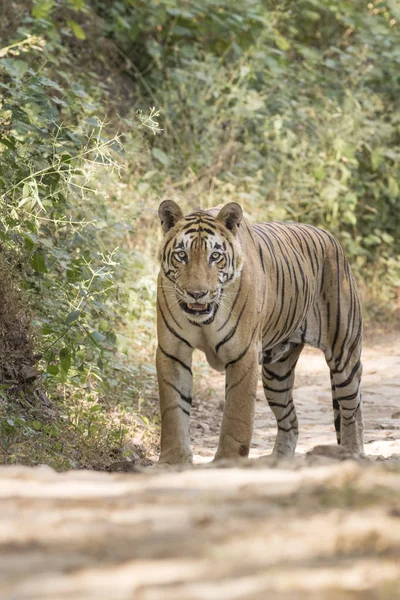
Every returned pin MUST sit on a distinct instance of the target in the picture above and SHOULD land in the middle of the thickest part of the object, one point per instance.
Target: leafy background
(291, 109)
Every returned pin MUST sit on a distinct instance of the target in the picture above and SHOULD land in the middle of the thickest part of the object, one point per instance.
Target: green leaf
(372, 240)
(73, 316)
(310, 15)
(38, 263)
(149, 174)
(97, 337)
(30, 240)
(349, 217)
(53, 369)
(351, 199)
(76, 29)
(281, 41)
(376, 158)
(319, 173)
(36, 425)
(8, 142)
(161, 156)
(77, 4)
(182, 31)
(387, 238)
(65, 359)
(42, 8)
(393, 187)
(15, 67)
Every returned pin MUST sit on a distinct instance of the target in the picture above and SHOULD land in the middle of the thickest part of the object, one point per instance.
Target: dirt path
(309, 529)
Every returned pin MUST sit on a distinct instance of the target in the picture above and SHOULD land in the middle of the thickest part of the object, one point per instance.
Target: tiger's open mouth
(197, 308)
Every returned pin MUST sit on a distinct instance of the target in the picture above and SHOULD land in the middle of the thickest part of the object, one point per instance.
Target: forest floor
(311, 528)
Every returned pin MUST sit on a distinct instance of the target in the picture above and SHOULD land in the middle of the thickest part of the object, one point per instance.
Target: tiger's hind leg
(347, 401)
(278, 380)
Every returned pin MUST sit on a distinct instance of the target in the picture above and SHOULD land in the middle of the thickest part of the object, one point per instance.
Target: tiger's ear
(230, 215)
(170, 213)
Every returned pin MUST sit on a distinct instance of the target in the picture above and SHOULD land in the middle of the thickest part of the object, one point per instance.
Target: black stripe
(228, 390)
(172, 330)
(277, 404)
(168, 308)
(287, 429)
(250, 232)
(242, 354)
(350, 377)
(187, 399)
(350, 350)
(207, 230)
(350, 396)
(287, 414)
(176, 360)
(232, 332)
(274, 390)
(233, 305)
(261, 257)
(279, 377)
(338, 311)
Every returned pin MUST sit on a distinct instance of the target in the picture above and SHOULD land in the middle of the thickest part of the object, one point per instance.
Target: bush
(61, 231)
(290, 109)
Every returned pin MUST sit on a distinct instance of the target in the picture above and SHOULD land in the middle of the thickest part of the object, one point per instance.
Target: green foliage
(61, 232)
(46, 167)
(293, 108)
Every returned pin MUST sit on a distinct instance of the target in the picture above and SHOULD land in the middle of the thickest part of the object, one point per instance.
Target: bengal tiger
(237, 292)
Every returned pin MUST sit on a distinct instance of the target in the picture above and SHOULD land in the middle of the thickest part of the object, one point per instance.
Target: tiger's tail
(336, 417)
(336, 411)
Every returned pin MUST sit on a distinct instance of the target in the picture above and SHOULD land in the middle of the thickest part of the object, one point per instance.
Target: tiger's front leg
(240, 397)
(175, 382)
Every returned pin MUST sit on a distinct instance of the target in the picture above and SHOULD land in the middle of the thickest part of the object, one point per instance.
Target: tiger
(245, 294)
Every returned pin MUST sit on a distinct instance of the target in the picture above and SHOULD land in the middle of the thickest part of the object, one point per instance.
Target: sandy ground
(313, 528)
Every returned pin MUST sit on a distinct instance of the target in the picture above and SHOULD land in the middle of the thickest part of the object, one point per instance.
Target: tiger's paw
(175, 457)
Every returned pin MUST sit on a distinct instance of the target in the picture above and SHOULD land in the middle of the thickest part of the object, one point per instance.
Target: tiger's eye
(216, 255)
(180, 255)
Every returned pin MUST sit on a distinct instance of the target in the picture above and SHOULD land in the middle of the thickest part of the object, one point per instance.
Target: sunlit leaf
(38, 263)
(77, 29)
(42, 8)
(65, 359)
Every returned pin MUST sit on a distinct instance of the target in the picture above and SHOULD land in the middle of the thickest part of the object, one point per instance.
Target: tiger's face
(201, 255)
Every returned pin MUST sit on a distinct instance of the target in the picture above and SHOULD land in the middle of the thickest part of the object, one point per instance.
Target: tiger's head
(201, 255)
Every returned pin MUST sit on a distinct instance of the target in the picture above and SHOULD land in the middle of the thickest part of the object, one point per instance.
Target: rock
(331, 451)
(125, 466)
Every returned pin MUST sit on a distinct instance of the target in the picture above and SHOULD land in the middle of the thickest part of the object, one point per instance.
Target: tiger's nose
(197, 295)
